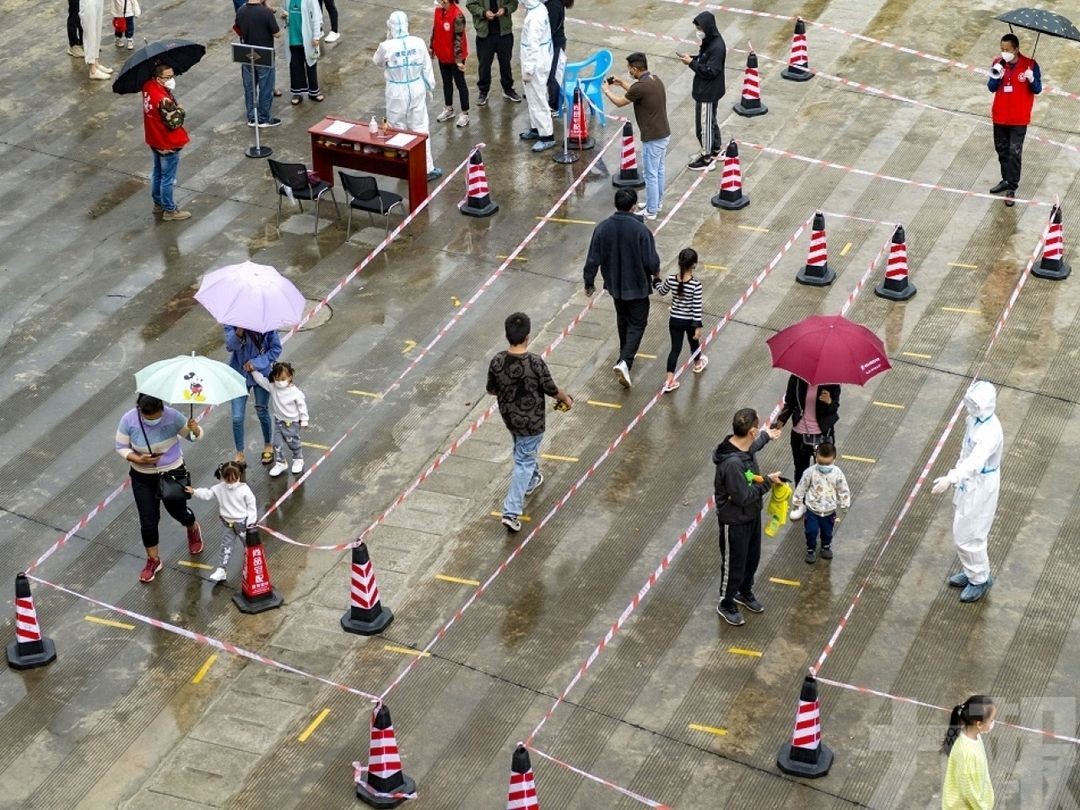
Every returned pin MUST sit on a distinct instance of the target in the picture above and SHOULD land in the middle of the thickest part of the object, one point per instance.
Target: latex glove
(996, 71)
(941, 484)
(1029, 75)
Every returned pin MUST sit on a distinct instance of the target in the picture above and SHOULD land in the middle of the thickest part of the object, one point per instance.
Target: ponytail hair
(688, 259)
(975, 708)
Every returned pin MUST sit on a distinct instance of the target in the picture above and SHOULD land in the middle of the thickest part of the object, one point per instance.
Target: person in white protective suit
(976, 480)
(410, 78)
(536, 55)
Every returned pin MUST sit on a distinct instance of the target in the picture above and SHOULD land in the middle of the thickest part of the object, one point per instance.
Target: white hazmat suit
(409, 77)
(536, 56)
(976, 480)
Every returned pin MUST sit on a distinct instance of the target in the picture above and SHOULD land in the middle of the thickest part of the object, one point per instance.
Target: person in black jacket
(708, 88)
(808, 429)
(556, 10)
(624, 252)
(740, 491)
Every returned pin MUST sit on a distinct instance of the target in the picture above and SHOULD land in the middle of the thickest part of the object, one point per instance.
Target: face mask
(700, 35)
(825, 469)
(281, 383)
(170, 84)
(1008, 56)
(151, 421)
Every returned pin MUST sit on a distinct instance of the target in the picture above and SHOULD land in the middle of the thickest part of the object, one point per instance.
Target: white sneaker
(99, 74)
(648, 217)
(446, 114)
(119, 42)
(102, 67)
(643, 207)
(462, 121)
(218, 575)
(333, 36)
(297, 466)
(131, 44)
(797, 512)
(622, 373)
(278, 468)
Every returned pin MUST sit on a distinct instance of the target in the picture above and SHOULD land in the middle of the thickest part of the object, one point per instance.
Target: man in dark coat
(814, 411)
(708, 88)
(624, 252)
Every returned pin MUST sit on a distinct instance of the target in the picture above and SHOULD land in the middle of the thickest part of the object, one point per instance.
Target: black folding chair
(292, 182)
(363, 194)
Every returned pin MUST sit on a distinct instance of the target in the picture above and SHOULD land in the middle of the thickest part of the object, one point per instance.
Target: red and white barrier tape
(98, 509)
(645, 800)
(679, 203)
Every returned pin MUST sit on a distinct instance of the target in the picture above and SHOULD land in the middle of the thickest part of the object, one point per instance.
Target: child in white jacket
(288, 406)
(822, 490)
(124, 13)
(236, 505)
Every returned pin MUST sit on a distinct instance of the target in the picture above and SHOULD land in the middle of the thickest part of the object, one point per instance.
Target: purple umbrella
(251, 296)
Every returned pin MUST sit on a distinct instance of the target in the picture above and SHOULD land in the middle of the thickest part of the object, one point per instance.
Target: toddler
(124, 14)
(236, 505)
(289, 409)
(822, 489)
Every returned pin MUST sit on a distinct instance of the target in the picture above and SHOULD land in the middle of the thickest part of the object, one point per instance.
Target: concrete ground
(679, 707)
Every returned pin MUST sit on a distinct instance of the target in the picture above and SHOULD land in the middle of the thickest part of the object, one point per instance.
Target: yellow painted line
(847, 247)
(409, 346)
(752, 228)
(962, 310)
(965, 266)
(316, 446)
(455, 300)
(568, 221)
(719, 732)
(646, 356)
(457, 580)
(859, 458)
(741, 651)
(307, 732)
(553, 457)
(715, 267)
(193, 564)
(916, 354)
(888, 405)
(522, 518)
(109, 623)
(600, 404)
(516, 258)
(204, 669)
(371, 394)
(406, 651)
(794, 583)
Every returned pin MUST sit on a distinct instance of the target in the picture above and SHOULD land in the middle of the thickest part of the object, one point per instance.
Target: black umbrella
(179, 54)
(1041, 22)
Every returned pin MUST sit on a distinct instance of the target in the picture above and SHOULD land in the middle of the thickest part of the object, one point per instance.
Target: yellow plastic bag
(777, 507)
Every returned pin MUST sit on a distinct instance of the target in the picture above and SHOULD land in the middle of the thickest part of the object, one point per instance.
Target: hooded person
(536, 56)
(976, 481)
(410, 77)
(708, 88)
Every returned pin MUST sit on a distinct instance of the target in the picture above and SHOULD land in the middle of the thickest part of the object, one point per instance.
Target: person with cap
(536, 56)
(708, 88)
(1014, 80)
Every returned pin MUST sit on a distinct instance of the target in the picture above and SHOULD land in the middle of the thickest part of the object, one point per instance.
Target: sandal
(267, 456)
(319, 97)
(296, 100)
(701, 364)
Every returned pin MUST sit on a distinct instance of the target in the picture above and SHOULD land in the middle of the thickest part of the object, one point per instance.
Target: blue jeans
(265, 78)
(163, 178)
(239, 406)
(526, 471)
(653, 154)
(814, 523)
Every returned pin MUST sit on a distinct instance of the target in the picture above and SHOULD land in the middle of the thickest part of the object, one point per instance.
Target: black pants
(803, 454)
(452, 76)
(631, 317)
(303, 78)
(740, 553)
(1009, 145)
(706, 128)
(554, 90)
(74, 24)
(148, 502)
(678, 327)
(487, 48)
(331, 9)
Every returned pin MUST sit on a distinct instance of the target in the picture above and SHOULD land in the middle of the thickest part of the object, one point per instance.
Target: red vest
(1013, 99)
(442, 35)
(158, 136)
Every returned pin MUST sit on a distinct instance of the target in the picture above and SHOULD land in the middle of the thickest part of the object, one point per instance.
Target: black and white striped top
(687, 306)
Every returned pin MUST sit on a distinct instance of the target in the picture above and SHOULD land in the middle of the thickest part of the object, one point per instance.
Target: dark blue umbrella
(1041, 22)
(179, 54)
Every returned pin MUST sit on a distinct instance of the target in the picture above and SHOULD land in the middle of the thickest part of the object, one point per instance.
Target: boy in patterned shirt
(822, 489)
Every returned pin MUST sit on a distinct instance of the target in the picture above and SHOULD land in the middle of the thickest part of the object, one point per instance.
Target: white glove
(941, 484)
(1029, 75)
(996, 70)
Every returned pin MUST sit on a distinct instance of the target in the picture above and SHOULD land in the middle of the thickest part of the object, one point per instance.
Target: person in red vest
(1015, 80)
(450, 47)
(163, 125)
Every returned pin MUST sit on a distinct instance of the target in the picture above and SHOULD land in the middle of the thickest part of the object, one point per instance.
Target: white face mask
(700, 35)
(151, 421)
(1008, 56)
(232, 484)
(281, 383)
(170, 84)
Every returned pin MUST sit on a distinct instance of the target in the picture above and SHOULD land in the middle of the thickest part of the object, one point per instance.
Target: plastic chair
(363, 194)
(292, 182)
(591, 84)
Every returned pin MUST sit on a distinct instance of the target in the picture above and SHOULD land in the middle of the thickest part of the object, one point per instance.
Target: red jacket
(158, 136)
(448, 41)
(1013, 97)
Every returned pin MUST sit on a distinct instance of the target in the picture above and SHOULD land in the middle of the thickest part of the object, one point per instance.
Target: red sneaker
(153, 565)
(194, 538)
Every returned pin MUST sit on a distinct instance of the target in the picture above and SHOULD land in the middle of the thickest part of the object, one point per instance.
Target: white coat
(310, 28)
(536, 57)
(409, 75)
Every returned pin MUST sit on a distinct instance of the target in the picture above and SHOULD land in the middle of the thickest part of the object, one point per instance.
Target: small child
(967, 776)
(822, 489)
(126, 11)
(686, 306)
(236, 505)
(289, 408)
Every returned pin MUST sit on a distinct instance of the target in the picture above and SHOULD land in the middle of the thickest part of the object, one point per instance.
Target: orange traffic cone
(478, 202)
(256, 592)
(751, 104)
(731, 197)
(579, 124)
(817, 273)
(629, 175)
(366, 615)
(896, 286)
(30, 648)
(798, 67)
(522, 792)
(382, 783)
(806, 755)
(1053, 265)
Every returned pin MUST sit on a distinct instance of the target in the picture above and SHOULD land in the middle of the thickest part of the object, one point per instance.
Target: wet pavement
(678, 707)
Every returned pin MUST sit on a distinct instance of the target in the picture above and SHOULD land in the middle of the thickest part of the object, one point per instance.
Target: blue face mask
(825, 469)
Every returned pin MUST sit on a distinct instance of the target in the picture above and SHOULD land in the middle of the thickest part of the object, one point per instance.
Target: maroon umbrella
(829, 349)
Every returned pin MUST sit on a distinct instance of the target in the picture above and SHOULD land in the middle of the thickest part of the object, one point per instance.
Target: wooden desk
(357, 149)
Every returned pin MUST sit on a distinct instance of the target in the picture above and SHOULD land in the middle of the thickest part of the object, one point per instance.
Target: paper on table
(338, 128)
(401, 139)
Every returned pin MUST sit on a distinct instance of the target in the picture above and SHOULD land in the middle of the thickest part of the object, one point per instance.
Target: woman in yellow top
(967, 777)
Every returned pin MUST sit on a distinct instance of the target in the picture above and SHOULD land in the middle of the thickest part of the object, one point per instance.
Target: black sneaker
(811, 557)
(535, 485)
(512, 524)
(750, 602)
(702, 163)
(273, 122)
(730, 615)
(512, 95)
(1004, 185)
(826, 552)
(483, 100)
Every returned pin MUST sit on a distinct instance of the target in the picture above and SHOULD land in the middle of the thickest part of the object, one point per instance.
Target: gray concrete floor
(94, 289)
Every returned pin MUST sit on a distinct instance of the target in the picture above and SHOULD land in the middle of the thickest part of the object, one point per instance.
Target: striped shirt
(163, 434)
(687, 306)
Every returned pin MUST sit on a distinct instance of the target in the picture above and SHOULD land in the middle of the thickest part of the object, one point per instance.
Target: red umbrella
(829, 349)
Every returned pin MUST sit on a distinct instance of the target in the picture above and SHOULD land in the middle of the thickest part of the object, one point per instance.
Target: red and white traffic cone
(751, 104)
(817, 272)
(579, 124)
(731, 197)
(629, 175)
(366, 615)
(478, 202)
(1053, 265)
(806, 755)
(798, 67)
(382, 783)
(896, 286)
(30, 648)
(522, 792)
(256, 592)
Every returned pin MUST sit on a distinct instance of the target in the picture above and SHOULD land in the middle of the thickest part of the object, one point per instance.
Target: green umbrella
(192, 380)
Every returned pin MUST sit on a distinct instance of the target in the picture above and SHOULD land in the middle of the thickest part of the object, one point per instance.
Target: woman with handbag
(148, 438)
(814, 411)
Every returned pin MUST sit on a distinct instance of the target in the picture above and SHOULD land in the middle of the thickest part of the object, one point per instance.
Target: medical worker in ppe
(976, 480)
(410, 78)
(536, 56)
